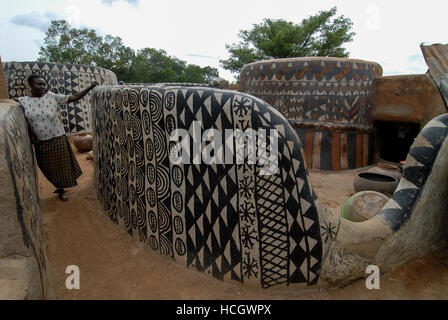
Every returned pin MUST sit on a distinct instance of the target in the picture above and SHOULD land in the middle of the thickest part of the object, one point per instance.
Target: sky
(388, 32)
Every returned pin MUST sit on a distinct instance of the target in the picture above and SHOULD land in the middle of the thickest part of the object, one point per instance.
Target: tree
(151, 65)
(63, 44)
(319, 35)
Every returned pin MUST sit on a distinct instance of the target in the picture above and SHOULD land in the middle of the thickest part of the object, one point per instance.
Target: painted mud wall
(224, 220)
(23, 265)
(407, 98)
(328, 101)
(403, 105)
(63, 79)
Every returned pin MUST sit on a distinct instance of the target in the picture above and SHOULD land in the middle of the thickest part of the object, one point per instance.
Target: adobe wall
(63, 79)
(227, 221)
(23, 263)
(328, 101)
(407, 98)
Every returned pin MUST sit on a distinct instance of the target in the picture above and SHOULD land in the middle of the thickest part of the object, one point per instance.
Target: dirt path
(114, 266)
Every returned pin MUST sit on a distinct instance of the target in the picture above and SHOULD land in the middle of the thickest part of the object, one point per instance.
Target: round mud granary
(328, 101)
(61, 79)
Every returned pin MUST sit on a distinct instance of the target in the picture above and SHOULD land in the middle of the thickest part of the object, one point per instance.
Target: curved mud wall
(226, 220)
(23, 266)
(328, 101)
(235, 220)
(63, 79)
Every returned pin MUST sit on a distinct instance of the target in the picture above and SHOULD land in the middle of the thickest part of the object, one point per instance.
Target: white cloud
(197, 31)
(35, 20)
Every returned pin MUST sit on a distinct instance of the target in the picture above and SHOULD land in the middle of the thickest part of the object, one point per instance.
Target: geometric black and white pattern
(315, 89)
(419, 162)
(63, 79)
(225, 220)
(324, 99)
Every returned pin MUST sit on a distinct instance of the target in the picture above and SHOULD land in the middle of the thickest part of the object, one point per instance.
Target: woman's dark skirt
(57, 162)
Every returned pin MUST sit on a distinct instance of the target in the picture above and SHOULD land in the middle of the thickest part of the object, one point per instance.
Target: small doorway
(394, 139)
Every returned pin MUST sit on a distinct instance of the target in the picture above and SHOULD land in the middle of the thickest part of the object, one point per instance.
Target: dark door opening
(394, 139)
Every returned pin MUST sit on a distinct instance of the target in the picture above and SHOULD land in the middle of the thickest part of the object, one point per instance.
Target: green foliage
(319, 35)
(63, 44)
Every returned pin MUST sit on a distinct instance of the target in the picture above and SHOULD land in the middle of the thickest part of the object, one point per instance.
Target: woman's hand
(81, 94)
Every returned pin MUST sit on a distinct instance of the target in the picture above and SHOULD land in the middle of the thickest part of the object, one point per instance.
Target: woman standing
(54, 155)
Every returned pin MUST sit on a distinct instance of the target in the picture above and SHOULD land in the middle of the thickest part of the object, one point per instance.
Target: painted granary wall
(226, 220)
(23, 263)
(63, 79)
(328, 101)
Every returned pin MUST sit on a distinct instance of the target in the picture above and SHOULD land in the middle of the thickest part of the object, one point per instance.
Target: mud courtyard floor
(114, 266)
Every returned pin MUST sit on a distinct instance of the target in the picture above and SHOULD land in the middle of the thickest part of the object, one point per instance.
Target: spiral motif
(162, 181)
(124, 163)
(141, 216)
(155, 106)
(124, 189)
(164, 219)
(118, 99)
(136, 127)
(121, 132)
(159, 142)
(139, 155)
(140, 181)
(165, 246)
(133, 101)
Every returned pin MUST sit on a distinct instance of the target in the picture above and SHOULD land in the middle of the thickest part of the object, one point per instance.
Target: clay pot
(83, 142)
(363, 205)
(365, 181)
(387, 169)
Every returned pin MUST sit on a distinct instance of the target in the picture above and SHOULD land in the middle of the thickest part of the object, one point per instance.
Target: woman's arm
(81, 94)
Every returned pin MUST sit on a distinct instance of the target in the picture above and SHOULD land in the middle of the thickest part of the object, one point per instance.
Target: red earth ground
(114, 266)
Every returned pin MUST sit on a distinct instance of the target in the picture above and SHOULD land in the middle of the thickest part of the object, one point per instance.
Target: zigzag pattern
(418, 166)
(226, 220)
(305, 247)
(211, 193)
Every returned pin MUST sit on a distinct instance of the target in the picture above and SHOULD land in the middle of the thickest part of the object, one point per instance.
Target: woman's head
(38, 85)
